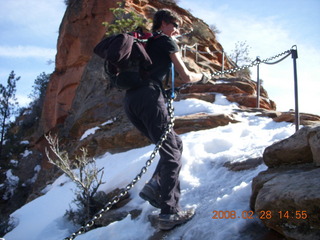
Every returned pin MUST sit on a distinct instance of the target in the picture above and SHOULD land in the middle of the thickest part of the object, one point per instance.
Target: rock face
(290, 188)
(78, 96)
(301, 147)
(79, 31)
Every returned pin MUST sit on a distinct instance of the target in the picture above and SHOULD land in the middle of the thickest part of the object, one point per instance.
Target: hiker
(146, 108)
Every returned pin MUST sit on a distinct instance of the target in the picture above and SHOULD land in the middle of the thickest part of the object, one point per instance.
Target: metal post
(172, 83)
(223, 62)
(196, 52)
(258, 82)
(294, 54)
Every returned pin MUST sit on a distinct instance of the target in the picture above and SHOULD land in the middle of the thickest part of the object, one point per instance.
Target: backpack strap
(166, 93)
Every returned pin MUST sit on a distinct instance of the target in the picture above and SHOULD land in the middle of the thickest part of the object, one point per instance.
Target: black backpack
(125, 59)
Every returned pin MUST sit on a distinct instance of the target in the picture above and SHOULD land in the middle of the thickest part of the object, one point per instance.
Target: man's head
(165, 17)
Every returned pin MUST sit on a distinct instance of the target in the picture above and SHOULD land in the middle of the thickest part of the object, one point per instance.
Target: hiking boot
(169, 221)
(151, 193)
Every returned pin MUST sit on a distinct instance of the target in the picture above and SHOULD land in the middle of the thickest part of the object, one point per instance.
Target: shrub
(124, 21)
(84, 172)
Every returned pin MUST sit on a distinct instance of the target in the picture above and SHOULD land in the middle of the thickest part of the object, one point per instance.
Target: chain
(143, 170)
(163, 137)
(237, 69)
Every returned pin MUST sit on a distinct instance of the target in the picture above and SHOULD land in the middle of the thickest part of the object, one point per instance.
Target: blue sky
(272, 27)
(29, 32)
(28, 38)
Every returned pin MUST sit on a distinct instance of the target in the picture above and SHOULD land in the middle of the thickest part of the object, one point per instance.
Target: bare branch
(82, 170)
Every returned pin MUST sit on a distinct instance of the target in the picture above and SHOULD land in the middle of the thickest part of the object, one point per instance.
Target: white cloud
(27, 52)
(23, 100)
(32, 13)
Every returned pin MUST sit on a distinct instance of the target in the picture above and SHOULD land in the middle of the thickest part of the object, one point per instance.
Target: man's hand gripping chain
(206, 77)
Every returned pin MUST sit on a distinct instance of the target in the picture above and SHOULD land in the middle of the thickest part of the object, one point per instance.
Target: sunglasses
(175, 24)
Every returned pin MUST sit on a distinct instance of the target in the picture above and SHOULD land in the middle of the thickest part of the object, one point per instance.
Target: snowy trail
(206, 184)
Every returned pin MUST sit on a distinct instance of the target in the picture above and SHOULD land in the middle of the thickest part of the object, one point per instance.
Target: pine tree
(124, 21)
(8, 103)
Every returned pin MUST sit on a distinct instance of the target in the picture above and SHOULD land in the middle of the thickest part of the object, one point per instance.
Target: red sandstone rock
(80, 30)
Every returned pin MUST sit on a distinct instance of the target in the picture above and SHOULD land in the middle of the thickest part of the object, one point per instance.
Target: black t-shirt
(159, 48)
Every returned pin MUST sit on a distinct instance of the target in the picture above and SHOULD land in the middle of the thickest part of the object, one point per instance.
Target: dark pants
(146, 109)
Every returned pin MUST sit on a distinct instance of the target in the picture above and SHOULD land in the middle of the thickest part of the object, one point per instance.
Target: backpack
(125, 59)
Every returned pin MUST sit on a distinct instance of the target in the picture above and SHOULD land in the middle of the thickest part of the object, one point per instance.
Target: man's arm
(181, 68)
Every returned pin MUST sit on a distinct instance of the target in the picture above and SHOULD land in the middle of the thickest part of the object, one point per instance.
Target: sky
(28, 39)
(29, 35)
(269, 28)
(206, 184)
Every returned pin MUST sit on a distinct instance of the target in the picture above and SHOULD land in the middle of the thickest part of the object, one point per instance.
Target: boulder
(314, 142)
(305, 118)
(286, 196)
(287, 200)
(119, 136)
(301, 147)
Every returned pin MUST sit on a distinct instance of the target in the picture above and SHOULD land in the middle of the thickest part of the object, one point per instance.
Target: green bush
(124, 21)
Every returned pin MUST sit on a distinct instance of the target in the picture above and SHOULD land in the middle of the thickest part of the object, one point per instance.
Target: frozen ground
(206, 184)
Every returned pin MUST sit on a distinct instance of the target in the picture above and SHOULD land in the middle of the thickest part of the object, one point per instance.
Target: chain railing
(168, 129)
(293, 52)
(143, 170)
(237, 69)
(185, 47)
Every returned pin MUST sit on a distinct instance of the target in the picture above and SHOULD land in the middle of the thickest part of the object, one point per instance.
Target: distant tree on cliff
(37, 95)
(124, 21)
(170, 1)
(69, 2)
(214, 29)
(240, 55)
(8, 104)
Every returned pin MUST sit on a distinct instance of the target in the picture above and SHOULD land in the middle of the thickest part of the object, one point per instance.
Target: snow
(11, 184)
(192, 106)
(26, 153)
(89, 132)
(93, 130)
(205, 183)
(14, 163)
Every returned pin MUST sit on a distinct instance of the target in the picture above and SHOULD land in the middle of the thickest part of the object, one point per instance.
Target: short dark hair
(165, 15)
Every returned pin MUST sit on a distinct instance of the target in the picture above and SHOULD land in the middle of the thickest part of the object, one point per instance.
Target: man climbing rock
(146, 108)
